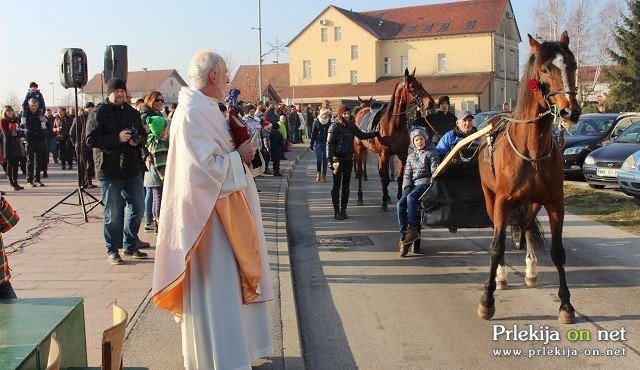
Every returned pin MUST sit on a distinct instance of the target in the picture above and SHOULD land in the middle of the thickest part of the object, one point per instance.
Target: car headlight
(575, 150)
(629, 164)
(589, 160)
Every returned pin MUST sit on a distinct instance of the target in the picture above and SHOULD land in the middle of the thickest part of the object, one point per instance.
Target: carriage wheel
(516, 236)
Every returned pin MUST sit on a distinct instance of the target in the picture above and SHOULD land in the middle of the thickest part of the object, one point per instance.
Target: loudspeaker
(73, 68)
(115, 62)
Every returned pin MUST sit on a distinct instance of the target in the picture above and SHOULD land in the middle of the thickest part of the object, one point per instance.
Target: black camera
(135, 136)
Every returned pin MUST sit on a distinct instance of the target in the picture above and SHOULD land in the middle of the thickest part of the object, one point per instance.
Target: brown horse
(521, 167)
(363, 103)
(394, 133)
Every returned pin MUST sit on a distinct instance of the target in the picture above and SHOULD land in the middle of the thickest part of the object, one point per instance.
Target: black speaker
(73, 68)
(115, 62)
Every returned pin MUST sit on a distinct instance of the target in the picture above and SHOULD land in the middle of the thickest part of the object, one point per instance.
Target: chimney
(144, 70)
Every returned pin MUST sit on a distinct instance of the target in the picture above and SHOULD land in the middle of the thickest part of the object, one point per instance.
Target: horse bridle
(417, 98)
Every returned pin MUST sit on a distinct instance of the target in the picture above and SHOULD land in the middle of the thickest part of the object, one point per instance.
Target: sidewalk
(60, 255)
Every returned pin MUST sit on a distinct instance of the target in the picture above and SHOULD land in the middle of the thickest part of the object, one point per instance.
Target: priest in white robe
(211, 268)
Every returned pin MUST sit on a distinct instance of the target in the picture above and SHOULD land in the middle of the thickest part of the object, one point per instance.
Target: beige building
(139, 83)
(466, 49)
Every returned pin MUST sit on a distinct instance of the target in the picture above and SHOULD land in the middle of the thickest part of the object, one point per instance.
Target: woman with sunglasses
(152, 106)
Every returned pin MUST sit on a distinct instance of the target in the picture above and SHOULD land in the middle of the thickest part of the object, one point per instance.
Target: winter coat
(340, 140)
(450, 139)
(114, 160)
(319, 132)
(420, 166)
(276, 141)
(11, 142)
(441, 122)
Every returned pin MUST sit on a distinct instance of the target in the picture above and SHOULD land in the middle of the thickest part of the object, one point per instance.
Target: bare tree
(232, 65)
(14, 101)
(590, 24)
(67, 100)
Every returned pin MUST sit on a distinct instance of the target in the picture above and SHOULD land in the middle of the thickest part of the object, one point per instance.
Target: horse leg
(383, 171)
(365, 158)
(486, 307)
(358, 161)
(534, 241)
(555, 209)
(360, 201)
(501, 276)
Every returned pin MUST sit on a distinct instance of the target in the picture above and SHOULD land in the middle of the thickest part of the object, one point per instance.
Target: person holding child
(421, 163)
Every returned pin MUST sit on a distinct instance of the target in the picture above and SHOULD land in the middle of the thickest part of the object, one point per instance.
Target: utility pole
(504, 47)
(260, 52)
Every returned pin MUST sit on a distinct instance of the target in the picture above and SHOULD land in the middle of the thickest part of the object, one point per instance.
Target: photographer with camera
(116, 134)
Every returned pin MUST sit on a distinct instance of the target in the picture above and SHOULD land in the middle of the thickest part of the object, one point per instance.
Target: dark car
(482, 117)
(590, 133)
(601, 167)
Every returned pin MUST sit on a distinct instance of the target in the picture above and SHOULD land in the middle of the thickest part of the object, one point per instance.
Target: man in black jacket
(35, 142)
(442, 121)
(116, 134)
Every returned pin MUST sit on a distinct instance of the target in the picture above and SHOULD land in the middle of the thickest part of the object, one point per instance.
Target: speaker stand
(82, 193)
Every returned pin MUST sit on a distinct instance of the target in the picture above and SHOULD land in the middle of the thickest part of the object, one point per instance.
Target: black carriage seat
(455, 198)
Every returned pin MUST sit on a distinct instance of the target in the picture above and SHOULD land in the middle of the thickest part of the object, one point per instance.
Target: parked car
(482, 117)
(629, 176)
(592, 131)
(601, 167)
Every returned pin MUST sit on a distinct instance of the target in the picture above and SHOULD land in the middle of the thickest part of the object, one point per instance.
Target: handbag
(257, 163)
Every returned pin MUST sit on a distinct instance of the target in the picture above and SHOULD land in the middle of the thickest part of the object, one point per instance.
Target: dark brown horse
(394, 133)
(363, 103)
(522, 170)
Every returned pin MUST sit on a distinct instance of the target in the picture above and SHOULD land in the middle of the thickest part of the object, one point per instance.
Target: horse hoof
(531, 281)
(567, 317)
(360, 202)
(486, 313)
(501, 285)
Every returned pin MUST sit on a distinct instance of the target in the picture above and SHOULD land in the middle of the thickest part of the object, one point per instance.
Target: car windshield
(631, 135)
(591, 126)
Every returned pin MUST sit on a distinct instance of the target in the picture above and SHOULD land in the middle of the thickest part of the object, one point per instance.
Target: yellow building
(466, 49)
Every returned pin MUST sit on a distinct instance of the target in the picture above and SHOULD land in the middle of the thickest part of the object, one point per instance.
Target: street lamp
(53, 94)
(260, 97)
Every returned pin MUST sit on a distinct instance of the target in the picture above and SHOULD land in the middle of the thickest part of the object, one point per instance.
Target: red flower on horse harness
(533, 85)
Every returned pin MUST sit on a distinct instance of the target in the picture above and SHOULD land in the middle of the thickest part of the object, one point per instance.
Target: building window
(170, 82)
(470, 24)
(306, 66)
(442, 62)
(332, 67)
(387, 65)
(324, 34)
(410, 28)
(514, 61)
(354, 52)
(354, 77)
(427, 27)
(443, 27)
(404, 62)
(501, 58)
(338, 33)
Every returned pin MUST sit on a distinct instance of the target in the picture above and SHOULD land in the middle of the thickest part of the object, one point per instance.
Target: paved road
(361, 306)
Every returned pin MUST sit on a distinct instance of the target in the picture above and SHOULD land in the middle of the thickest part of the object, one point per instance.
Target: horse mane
(388, 112)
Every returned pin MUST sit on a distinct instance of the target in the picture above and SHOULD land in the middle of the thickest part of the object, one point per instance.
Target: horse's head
(416, 92)
(553, 73)
(364, 102)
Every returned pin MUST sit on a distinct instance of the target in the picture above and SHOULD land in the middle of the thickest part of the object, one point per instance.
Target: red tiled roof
(246, 80)
(463, 17)
(587, 73)
(137, 80)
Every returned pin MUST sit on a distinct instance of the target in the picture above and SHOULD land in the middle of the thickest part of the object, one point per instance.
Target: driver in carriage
(464, 127)
(441, 121)
(421, 163)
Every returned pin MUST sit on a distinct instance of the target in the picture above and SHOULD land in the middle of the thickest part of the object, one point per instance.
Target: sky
(160, 34)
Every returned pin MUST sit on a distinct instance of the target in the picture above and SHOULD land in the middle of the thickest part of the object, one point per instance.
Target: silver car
(629, 176)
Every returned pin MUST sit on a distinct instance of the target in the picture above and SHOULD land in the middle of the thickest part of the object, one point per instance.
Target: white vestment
(197, 275)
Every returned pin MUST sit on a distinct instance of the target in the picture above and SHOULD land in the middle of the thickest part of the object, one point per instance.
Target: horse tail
(530, 222)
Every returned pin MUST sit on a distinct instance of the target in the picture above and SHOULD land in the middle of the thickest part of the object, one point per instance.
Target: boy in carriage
(421, 163)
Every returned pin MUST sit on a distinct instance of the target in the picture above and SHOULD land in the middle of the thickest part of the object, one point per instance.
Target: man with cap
(464, 127)
(115, 132)
(441, 121)
(85, 160)
(421, 163)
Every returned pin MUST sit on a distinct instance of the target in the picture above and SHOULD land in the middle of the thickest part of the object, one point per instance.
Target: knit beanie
(443, 99)
(156, 124)
(418, 131)
(323, 111)
(114, 84)
(343, 108)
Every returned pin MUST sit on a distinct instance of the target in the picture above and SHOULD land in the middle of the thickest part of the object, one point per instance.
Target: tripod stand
(93, 202)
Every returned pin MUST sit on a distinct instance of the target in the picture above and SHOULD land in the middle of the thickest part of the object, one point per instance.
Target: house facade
(139, 83)
(467, 50)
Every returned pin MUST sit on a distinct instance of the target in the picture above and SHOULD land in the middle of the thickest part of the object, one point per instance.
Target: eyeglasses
(159, 100)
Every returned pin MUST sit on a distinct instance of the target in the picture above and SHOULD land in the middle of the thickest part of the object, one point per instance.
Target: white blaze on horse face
(558, 61)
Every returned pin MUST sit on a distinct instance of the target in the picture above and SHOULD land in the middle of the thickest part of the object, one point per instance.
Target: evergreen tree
(625, 81)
